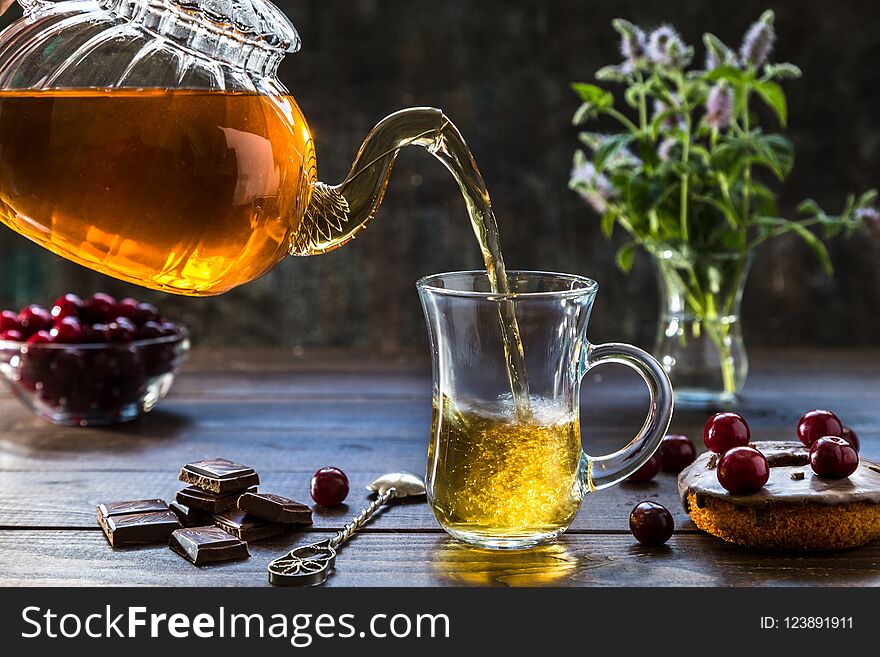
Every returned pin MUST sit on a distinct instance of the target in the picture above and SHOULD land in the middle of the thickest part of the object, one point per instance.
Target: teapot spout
(337, 213)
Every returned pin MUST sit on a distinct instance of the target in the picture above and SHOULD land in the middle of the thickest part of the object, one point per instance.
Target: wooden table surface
(287, 415)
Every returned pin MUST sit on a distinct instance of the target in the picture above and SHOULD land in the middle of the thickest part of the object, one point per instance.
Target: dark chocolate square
(245, 526)
(207, 544)
(202, 500)
(275, 508)
(133, 506)
(219, 476)
(188, 516)
(137, 522)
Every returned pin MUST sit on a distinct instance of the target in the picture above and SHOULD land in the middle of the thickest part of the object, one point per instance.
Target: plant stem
(747, 171)
(685, 156)
(643, 108)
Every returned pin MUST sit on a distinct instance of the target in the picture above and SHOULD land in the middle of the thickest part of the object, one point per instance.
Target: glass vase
(699, 338)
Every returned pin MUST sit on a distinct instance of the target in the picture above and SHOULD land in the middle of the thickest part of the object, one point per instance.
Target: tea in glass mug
(503, 474)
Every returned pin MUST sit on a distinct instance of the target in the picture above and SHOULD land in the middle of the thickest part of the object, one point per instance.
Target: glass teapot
(152, 141)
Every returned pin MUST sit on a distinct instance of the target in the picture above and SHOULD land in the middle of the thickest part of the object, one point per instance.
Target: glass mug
(506, 474)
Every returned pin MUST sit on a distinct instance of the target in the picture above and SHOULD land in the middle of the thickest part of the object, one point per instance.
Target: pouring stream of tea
(447, 145)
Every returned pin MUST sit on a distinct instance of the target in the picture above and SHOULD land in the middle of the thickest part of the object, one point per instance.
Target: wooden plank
(83, 558)
(68, 499)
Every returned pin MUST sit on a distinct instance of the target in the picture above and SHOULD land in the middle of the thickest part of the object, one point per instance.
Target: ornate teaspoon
(309, 565)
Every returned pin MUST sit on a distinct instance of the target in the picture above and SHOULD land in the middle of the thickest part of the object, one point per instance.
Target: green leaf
(591, 140)
(775, 152)
(729, 73)
(590, 93)
(773, 95)
(723, 208)
(607, 225)
(610, 147)
(625, 255)
(719, 49)
(611, 74)
(786, 225)
(782, 71)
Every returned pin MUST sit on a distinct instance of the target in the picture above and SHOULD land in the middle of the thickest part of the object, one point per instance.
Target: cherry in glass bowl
(94, 383)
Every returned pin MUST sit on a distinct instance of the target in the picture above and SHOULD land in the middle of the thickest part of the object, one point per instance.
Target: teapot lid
(254, 20)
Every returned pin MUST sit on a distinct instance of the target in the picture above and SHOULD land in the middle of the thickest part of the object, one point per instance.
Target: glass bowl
(93, 384)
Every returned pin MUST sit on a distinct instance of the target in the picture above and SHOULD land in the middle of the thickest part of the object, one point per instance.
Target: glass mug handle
(598, 472)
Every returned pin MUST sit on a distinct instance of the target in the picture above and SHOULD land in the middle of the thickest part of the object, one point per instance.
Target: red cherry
(648, 471)
(120, 331)
(832, 457)
(92, 333)
(126, 307)
(676, 453)
(9, 321)
(41, 337)
(67, 365)
(150, 331)
(329, 486)
(743, 470)
(68, 330)
(651, 523)
(68, 305)
(852, 438)
(818, 424)
(99, 307)
(35, 318)
(170, 328)
(145, 312)
(724, 431)
(12, 336)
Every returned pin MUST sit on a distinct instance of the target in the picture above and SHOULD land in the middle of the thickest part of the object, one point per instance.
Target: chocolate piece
(207, 544)
(785, 458)
(219, 475)
(137, 521)
(202, 500)
(275, 508)
(188, 516)
(797, 476)
(245, 526)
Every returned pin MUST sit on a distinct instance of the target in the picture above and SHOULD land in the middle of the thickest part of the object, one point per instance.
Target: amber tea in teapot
(153, 142)
(186, 191)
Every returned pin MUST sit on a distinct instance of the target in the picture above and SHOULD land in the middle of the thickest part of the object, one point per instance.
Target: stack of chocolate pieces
(222, 510)
(210, 520)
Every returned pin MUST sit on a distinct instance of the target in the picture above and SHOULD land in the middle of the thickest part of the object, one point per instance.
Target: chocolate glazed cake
(796, 510)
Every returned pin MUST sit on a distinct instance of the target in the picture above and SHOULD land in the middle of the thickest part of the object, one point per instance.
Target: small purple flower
(593, 187)
(664, 151)
(633, 43)
(665, 47)
(758, 41)
(712, 61)
(719, 107)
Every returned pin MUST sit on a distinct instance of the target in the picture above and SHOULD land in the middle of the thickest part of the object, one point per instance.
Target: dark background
(501, 71)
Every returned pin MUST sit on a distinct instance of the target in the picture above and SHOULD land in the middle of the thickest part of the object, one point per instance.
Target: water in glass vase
(500, 480)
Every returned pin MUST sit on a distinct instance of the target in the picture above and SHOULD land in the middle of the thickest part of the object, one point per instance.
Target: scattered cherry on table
(832, 457)
(817, 424)
(743, 470)
(651, 524)
(724, 431)
(329, 487)
(676, 453)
